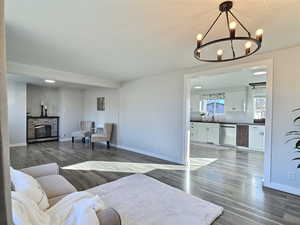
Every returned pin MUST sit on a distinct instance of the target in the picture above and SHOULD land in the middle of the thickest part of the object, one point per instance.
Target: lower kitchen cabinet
(202, 135)
(257, 137)
(242, 135)
(205, 132)
(193, 131)
(213, 134)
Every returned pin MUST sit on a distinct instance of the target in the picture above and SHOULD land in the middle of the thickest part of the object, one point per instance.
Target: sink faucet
(212, 117)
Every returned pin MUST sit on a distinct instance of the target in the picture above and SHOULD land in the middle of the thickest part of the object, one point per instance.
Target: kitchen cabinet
(202, 135)
(257, 137)
(235, 101)
(213, 134)
(242, 135)
(205, 132)
(193, 131)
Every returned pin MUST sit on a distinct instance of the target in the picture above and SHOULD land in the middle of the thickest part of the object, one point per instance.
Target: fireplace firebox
(42, 131)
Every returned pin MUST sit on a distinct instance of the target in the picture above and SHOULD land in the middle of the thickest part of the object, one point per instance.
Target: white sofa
(57, 187)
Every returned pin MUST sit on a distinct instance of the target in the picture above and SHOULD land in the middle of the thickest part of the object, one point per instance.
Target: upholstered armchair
(85, 131)
(104, 136)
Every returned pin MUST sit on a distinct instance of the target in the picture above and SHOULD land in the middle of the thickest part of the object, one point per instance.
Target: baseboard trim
(18, 145)
(159, 156)
(283, 188)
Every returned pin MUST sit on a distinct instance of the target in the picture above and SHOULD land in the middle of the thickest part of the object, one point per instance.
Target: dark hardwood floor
(231, 179)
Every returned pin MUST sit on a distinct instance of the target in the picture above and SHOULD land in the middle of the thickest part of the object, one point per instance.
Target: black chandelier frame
(225, 7)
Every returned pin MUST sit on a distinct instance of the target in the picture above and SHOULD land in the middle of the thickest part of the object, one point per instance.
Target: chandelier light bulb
(259, 34)
(199, 40)
(199, 37)
(248, 44)
(232, 25)
(248, 47)
(219, 54)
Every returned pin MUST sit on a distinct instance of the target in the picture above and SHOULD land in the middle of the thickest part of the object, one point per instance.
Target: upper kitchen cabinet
(236, 100)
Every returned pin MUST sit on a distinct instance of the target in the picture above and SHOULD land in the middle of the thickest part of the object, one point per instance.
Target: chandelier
(232, 42)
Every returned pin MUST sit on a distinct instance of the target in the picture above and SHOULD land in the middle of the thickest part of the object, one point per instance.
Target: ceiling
(127, 39)
(41, 82)
(240, 78)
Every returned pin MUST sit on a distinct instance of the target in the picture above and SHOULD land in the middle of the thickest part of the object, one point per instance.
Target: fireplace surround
(41, 129)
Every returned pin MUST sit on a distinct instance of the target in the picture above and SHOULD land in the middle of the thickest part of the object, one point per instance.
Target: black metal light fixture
(252, 44)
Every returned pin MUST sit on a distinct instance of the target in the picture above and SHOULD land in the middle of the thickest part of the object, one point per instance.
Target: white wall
(151, 115)
(37, 94)
(67, 103)
(16, 112)
(286, 92)
(70, 111)
(151, 111)
(111, 113)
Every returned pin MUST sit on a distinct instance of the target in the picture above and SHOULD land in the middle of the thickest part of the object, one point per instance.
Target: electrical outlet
(291, 175)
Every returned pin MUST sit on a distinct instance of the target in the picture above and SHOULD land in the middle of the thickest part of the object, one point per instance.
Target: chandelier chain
(212, 25)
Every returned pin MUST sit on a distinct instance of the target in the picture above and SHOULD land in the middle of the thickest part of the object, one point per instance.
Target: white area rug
(142, 200)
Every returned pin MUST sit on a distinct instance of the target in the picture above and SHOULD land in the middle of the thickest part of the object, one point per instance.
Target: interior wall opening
(229, 118)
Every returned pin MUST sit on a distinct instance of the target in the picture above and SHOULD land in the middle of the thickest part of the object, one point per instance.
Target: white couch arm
(42, 170)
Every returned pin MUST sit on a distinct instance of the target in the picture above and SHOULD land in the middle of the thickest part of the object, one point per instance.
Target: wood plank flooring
(231, 179)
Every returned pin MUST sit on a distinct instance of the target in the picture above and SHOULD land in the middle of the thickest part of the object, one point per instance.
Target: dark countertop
(220, 122)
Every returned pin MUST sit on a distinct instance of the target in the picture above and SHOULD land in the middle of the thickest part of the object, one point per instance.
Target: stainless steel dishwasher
(228, 134)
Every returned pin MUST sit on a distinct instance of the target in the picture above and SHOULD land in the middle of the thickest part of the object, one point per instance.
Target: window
(259, 107)
(212, 106)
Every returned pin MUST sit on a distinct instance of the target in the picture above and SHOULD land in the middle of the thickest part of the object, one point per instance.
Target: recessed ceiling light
(50, 81)
(260, 73)
(197, 87)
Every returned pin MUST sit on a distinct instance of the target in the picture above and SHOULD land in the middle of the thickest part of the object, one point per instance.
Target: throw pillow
(27, 185)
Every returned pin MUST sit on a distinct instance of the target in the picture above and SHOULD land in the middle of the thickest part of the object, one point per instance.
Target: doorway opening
(228, 114)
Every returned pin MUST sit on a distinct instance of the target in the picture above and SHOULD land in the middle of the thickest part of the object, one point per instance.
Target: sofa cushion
(56, 185)
(30, 187)
(42, 170)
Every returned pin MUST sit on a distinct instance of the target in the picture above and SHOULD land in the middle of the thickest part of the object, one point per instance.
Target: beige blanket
(141, 200)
